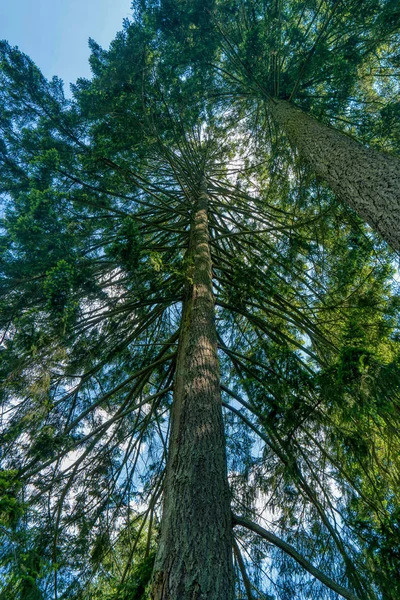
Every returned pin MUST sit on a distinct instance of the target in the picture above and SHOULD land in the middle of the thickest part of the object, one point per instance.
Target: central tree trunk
(194, 558)
(368, 180)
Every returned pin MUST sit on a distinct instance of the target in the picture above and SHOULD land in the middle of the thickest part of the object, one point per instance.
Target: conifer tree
(200, 356)
(294, 58)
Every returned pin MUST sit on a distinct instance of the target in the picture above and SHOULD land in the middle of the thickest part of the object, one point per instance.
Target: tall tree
(185, 306)
(194, 557)
(368, 180)
(313, 54)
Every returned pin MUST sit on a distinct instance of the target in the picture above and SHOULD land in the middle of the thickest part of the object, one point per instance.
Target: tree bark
(194, 558)
(368, 180)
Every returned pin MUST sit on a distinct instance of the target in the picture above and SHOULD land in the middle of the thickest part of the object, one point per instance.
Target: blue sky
(54, 33)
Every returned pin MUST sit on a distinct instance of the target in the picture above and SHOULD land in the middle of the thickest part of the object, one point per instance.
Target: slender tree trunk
(368, 180)
(194, 559)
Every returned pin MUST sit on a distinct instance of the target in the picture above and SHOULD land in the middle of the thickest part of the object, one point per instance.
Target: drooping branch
(276, 541)
(242, 567)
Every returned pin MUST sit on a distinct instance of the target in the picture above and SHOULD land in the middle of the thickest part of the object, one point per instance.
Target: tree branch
(276, 541)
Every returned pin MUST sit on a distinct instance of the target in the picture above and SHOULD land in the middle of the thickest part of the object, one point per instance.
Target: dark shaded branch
(242, 567)
(276, 541)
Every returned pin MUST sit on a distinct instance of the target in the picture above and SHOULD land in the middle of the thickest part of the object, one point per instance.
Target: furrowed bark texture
(194, 559)
(368, 180)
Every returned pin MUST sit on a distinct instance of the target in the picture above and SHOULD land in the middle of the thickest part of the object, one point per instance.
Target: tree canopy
(99, 196)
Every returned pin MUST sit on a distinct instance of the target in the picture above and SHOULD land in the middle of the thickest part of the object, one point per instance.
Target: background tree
(99, 271)
(315, 55)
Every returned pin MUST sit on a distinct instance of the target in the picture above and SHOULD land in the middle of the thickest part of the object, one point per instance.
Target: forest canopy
(199, 308)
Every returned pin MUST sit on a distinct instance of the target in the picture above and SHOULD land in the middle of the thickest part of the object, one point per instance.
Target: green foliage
(136, 586)
(99, 193)
(126, 247)
(57, 288)
(134, 553)
(11, 508)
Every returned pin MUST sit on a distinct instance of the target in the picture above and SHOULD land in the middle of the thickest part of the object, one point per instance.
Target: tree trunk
(194, 558)
(368, 180)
